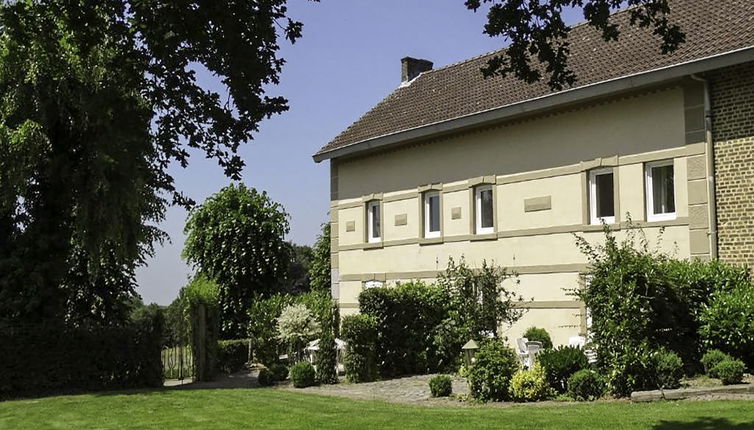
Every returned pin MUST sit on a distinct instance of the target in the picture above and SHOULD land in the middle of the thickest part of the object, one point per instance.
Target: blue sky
(346, 62)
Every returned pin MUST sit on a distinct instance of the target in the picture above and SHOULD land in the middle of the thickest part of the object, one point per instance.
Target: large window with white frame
(601, 196)
(431, 214)
(374, 233)
(660, 190)
(485, 221)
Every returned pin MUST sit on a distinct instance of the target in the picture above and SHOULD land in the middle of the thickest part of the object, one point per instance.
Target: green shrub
(712, 358)
(730, 371)
(232, 355)
(668, 369)
(490, 376)
(302, 374)
(279, 371)
(727, 323)
(266, 377)
(406, 319)
(536, 334)
(51, 359)
(327, 356)
(441, 386)
(560, 363)
(360, 334)
(586, 385)
(201, 298)
(263, 315)
(530, 385)
(642, 300)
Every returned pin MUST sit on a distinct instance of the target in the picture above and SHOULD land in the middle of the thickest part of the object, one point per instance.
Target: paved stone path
(412, 389)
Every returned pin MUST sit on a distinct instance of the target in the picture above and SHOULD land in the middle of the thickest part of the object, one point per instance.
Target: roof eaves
(598, 89)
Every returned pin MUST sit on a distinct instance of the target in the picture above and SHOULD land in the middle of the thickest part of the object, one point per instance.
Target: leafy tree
(319, 270)
(539, 37)
(298, 272)
(296, 326)
(99, 98)
(236, 237)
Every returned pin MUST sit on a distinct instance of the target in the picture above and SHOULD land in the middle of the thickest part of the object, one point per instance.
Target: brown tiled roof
(711, 26)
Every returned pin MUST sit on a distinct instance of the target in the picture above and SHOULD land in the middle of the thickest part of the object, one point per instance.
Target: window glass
(432, 214)
(605, 195)
(484, 210)
(601, 196)
(373, 221)
(663, 190)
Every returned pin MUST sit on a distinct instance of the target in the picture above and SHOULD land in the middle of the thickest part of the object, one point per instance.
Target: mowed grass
(278, 409)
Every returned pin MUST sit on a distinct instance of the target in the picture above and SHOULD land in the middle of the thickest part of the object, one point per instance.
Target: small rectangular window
(485, 222)
(373, 221)
(432, 214)
(660, 191)
(601, 196)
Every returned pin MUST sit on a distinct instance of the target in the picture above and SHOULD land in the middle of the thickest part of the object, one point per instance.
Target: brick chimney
(412, 67)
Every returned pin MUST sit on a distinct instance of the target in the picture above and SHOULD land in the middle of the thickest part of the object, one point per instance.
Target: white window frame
(478, 205)
(432, 234)
(371, 238)
(649, 191)
(593, 218)
(373, 284)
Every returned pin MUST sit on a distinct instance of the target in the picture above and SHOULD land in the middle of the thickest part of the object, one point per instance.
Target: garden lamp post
(469, 351)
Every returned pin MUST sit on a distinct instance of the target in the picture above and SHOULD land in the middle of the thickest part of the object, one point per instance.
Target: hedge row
(407, 317)
(46, 360)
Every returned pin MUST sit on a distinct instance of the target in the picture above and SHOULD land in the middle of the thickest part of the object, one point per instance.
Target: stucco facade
(538, 168)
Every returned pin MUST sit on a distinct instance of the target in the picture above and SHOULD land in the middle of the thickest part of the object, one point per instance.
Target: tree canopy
(538, 34)
(99, 97)
(237, 238)
(320, 268)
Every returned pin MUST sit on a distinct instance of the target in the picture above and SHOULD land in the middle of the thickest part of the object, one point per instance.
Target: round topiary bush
(560, 363)
(536, 334)
(711, 359)
(302, 374)
(586, 385)
(668, 369)
(441, 386)
(730, 371)
(279, 371)
(266, 377)
(489, 378)
(530, 385)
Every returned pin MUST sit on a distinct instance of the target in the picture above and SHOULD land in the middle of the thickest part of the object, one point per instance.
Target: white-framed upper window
(374, 221)
(660, 190)
(485, 221)
(601, 196)
(432, 214)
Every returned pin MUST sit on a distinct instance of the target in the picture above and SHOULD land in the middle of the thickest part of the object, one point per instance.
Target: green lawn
(277, 409)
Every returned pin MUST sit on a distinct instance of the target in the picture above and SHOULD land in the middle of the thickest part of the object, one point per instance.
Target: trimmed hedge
(490, 376)
(668, 369)
(232, 355)
(730, 371)
(727, 322)
(711, 359)
(406, 318)
(441, 386)
(46, 360)
(530, 385)
(279, 371)
(302, 374)
(536, 334)
(360, 334)
(266, 377)
(560, 363)
(586, 385)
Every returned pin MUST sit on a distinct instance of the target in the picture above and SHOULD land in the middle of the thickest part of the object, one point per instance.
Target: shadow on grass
(704, 424)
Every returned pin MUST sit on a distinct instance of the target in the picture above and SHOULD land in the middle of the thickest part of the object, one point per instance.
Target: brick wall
(732, 99)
